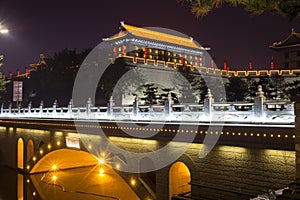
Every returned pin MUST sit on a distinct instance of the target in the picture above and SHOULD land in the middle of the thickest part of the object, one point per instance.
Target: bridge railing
(261, 111)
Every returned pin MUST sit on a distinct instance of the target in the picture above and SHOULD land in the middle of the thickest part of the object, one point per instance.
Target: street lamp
(3, 30)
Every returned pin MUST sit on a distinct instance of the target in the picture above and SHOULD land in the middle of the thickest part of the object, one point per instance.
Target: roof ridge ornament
(293, 30)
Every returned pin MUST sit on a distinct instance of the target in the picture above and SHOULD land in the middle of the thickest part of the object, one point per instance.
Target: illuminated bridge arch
(58, 169)
(20, 153)
(180, 176)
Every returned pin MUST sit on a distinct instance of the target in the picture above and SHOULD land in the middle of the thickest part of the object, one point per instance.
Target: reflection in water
(88, 183)
(20, 187)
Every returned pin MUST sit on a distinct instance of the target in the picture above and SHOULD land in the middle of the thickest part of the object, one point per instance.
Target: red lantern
(225, 65)
(212, 64)
(272, 64)
(115, 51)
(123, 50)
(10, 75)
(250, 65)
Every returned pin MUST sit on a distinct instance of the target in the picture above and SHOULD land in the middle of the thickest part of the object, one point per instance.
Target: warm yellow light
(133, 182)
(278, 136)
(33, 193)
(90, 146)
(58, 143)
(28, 181)
(28, 167)
(49, 146)
(54, 178)
(34, 158)
(54, 167)
(41, 151)
(101, 161)
(294, 136)
(101, 171)
(118, 166)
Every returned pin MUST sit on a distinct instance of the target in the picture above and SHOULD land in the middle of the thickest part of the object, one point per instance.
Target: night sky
(50, 26)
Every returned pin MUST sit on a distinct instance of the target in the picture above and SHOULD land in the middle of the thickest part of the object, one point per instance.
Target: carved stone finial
(209, 95)
(259, 91)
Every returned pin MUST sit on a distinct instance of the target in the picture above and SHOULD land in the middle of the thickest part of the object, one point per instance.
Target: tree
(54, 80)
(164, 96)
(236, 89)
(289, 8)
(150, 93)
(293, 88)
(274, 87)
(200, 89)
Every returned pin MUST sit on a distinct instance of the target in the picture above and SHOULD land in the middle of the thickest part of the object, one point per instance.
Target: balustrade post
(2, 108)
(19, 108)
(70, 105)
(9, 108)
(135, 106)
(259, 102)
(168, 104)
(88, 106)
(29, 107)
(54, 106)
(110, 106)
(207, 105)
(41, 108)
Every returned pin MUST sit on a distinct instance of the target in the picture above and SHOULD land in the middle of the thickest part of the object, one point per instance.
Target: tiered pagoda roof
(154, 35)
(293, 40)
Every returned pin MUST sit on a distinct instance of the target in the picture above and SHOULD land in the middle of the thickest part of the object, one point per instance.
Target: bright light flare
(4, 31)
(101, 161)
(101, 171)
(54, 178)
(54, 167)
